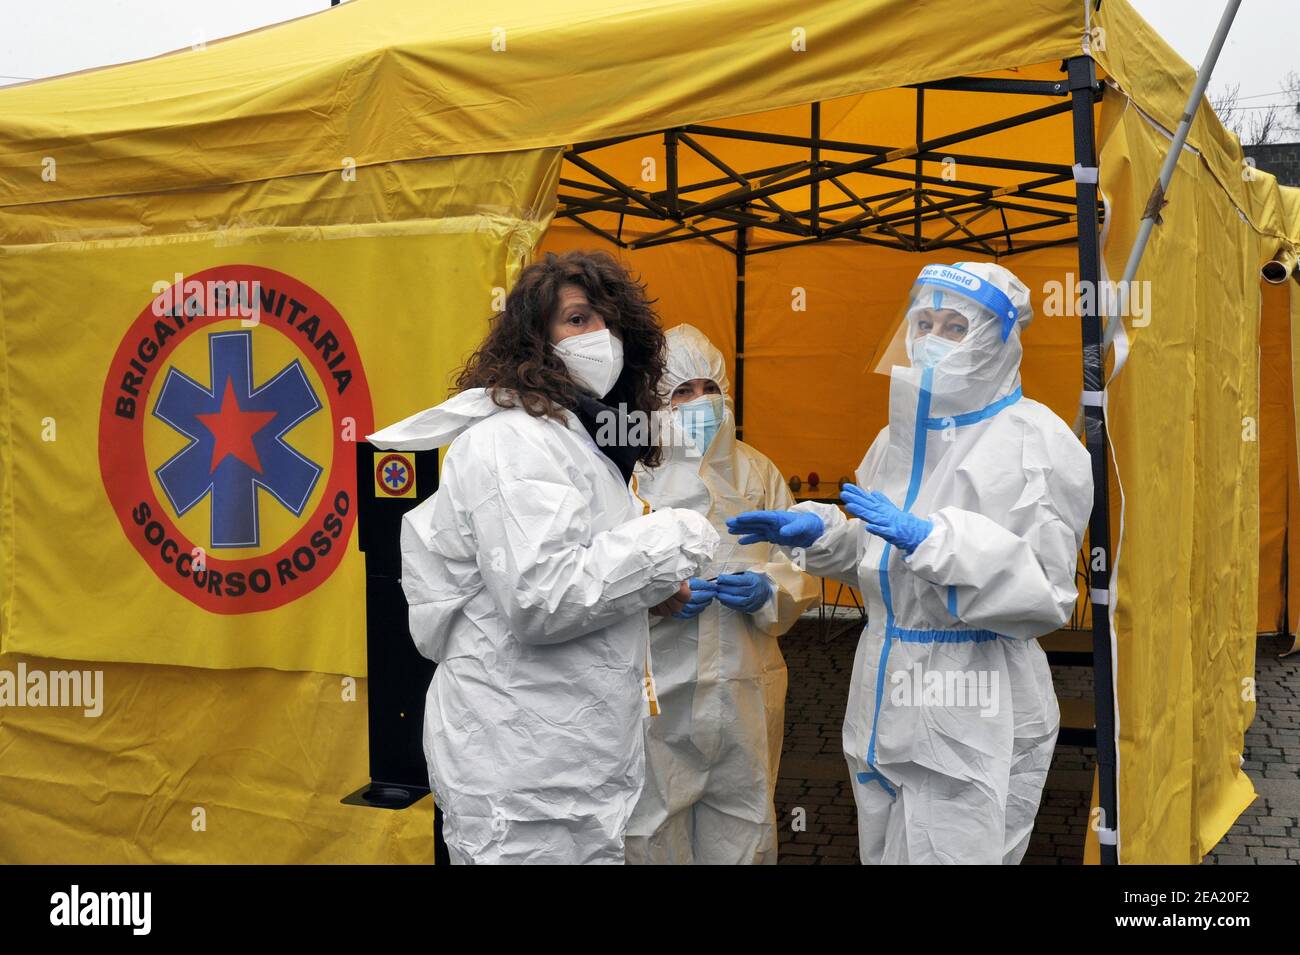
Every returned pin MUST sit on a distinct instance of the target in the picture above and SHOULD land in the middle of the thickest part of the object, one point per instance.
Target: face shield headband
(974, 288)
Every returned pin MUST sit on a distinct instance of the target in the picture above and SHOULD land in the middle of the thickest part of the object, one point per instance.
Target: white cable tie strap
(1084, 173)
(1100, 597)
(1092, 399)
(1107, 837)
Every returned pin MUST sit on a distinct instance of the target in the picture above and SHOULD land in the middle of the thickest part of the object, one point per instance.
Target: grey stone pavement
(815, 778)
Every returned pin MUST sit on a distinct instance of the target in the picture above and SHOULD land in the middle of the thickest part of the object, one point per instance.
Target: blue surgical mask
(929, 350)
(701, 418)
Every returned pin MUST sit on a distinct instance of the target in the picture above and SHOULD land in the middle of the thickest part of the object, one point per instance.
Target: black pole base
(385, 796)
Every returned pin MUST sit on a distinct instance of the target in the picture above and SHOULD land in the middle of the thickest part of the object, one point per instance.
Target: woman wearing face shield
(529, 572)
(713, 750)
(963, 536)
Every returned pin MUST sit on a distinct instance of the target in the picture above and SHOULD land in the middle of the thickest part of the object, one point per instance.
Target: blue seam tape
(875, 776)
(913, 488)
(944, 636)
(971, 417)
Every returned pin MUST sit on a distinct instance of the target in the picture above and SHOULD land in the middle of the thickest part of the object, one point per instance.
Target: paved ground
(814, 777)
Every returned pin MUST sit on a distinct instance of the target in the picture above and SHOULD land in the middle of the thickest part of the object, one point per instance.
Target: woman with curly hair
(530, 571)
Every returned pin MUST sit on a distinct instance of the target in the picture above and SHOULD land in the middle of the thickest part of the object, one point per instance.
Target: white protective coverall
(713, 751)
(528, 574)
(941, 774)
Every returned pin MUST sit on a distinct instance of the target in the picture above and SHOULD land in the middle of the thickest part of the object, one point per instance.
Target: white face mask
(594, 360)
(929, 350)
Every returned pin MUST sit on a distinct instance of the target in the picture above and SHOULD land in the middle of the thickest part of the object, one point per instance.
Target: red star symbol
(233, 427)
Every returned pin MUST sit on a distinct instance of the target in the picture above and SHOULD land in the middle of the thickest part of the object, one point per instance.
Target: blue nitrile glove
(905, 531)
(702, 593)
(745, 591)
(788, 528)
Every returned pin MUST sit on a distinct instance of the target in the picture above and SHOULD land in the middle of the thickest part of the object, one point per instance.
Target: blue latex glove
(702, 594)
(745, 591)
(788, 528)
(905, 531)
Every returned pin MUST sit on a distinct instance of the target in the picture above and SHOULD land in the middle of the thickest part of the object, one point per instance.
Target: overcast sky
(49, 37)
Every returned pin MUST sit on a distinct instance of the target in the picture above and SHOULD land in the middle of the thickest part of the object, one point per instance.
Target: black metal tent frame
(752, 202)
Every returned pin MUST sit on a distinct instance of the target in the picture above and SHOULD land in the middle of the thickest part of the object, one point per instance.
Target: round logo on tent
(394, 473)
(226, 437)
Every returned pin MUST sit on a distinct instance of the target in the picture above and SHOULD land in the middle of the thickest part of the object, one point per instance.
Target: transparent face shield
(951, 321)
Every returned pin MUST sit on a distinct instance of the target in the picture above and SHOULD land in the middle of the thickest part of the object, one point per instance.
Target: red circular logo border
(379, 473)
(125, 470)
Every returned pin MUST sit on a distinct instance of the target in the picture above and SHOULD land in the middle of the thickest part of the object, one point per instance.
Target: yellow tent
(381, 170)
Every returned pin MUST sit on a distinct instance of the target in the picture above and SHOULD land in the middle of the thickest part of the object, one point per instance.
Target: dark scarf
(596, 416)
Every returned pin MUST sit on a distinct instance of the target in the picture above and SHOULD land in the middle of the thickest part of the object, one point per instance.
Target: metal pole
(1083, 87)
(738, 392)
(920, 138)
(815, 155)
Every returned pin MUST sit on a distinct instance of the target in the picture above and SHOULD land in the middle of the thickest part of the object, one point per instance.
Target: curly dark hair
(517, 364)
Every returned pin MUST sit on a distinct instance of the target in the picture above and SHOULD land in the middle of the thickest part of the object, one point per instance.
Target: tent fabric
(1183, 603)
(223, 737)
(189, 765)
(424, 145)
(443, 234)
(385, 80)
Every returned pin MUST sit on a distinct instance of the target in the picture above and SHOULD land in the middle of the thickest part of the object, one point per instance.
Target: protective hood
(678, 478)
(437, 426)
(691, 355)
(984, 366)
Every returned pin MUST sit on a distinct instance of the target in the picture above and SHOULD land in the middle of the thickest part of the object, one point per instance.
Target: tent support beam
(612, 239)
(918, 168)
(930, 246)
(868, 149)
(1083, 86)
(815, 154)
(752, 197)
(670, 150)
(977, 84)
(871, 162)
(854, 224)
(738, 392)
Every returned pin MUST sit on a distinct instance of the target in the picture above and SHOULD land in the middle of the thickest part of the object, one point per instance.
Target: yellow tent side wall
(190, 764)
(1186, 489)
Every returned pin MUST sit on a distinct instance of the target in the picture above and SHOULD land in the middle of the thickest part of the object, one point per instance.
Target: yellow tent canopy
(839, 146)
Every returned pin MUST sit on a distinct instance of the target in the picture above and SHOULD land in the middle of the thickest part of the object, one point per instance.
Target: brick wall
(1280, 159)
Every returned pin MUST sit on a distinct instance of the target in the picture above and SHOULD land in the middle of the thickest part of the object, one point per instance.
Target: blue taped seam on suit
(944, 636)
(873, 775)
(924, 423)
(971, 417)
(913, 488)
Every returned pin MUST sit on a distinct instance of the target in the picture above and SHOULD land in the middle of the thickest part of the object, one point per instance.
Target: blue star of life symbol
(237, 441)
(395, 476)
